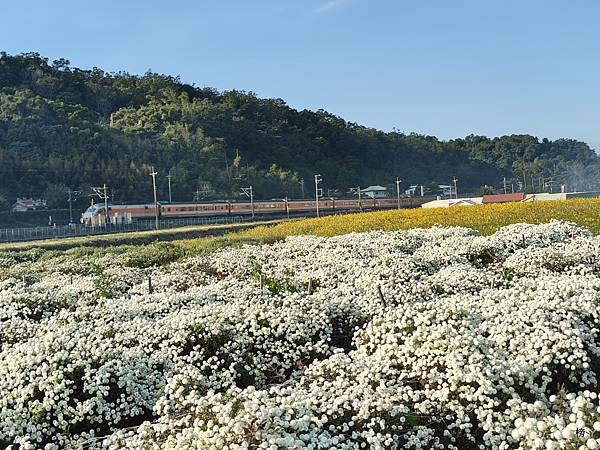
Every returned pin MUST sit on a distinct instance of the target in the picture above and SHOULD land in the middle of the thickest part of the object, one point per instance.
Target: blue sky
(441, 67)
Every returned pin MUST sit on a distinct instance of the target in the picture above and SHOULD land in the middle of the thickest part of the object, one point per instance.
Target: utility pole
(70, 200)
(248, 192)
(102, 192)
(72, 196)
(504, 183)
(398, 181)
(169, 178)
(287, 207)
(318, 179)
(302, 186)
(357, 191)
(455, 188)
(359, 198)
(153, 175)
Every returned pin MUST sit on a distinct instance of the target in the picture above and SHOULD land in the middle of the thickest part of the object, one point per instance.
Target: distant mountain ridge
(63, 127)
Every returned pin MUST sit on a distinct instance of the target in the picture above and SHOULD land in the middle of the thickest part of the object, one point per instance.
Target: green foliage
(156, 254)
(273, 284)
(4, 202)
(55, 194)
(102, 284)
(65, 127)
(201, 247)
(485, 190)
(507, 274)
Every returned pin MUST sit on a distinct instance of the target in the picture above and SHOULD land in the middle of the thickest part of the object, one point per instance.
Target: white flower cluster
(436, 338)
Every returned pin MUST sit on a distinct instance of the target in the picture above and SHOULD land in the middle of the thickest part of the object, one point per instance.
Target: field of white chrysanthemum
(425, 338)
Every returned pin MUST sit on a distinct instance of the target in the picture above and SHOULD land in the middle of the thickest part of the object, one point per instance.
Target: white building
(374, 192)
(445, 188)
(28, 204)
(450, 202)
(412, 190)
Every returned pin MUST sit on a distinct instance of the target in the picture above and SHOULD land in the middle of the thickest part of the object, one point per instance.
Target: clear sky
(442, 67)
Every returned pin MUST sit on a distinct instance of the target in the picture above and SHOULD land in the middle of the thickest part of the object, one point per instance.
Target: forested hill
(63, 127)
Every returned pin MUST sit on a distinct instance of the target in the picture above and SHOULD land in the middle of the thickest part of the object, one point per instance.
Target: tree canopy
(62, 127)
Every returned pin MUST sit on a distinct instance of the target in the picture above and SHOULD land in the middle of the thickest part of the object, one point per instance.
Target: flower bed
(426, 338)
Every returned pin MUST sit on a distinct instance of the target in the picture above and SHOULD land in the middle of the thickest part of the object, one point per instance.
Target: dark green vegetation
(63, 127)
(36, 218)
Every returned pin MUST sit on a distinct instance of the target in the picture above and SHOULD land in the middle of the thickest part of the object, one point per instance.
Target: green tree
(63, 126)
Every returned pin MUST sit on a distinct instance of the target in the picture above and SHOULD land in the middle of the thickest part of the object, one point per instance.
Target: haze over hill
(62, 127)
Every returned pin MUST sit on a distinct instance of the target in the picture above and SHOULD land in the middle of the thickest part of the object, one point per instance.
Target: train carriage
(95, 214)
(175, 210)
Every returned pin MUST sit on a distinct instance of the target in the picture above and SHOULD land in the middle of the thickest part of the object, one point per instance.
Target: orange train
(94, 215)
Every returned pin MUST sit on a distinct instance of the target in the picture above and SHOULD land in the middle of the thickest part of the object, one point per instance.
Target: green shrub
(275, 285)
(156, 254)
(102, 283)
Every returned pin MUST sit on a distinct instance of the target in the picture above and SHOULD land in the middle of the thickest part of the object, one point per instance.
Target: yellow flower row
(484, 218)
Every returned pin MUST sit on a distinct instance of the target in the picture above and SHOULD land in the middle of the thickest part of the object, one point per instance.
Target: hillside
(63, 127)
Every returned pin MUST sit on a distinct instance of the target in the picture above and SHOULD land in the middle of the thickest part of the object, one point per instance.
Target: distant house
(412, 190)
(560, 196)
(446, 189)
(374, 192)
(28, 204)
(450, 202)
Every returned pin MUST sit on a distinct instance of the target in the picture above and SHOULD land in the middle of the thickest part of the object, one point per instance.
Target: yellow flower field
(485, 218)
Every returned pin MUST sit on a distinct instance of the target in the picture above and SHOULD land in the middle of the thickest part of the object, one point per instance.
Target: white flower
(475, 341)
